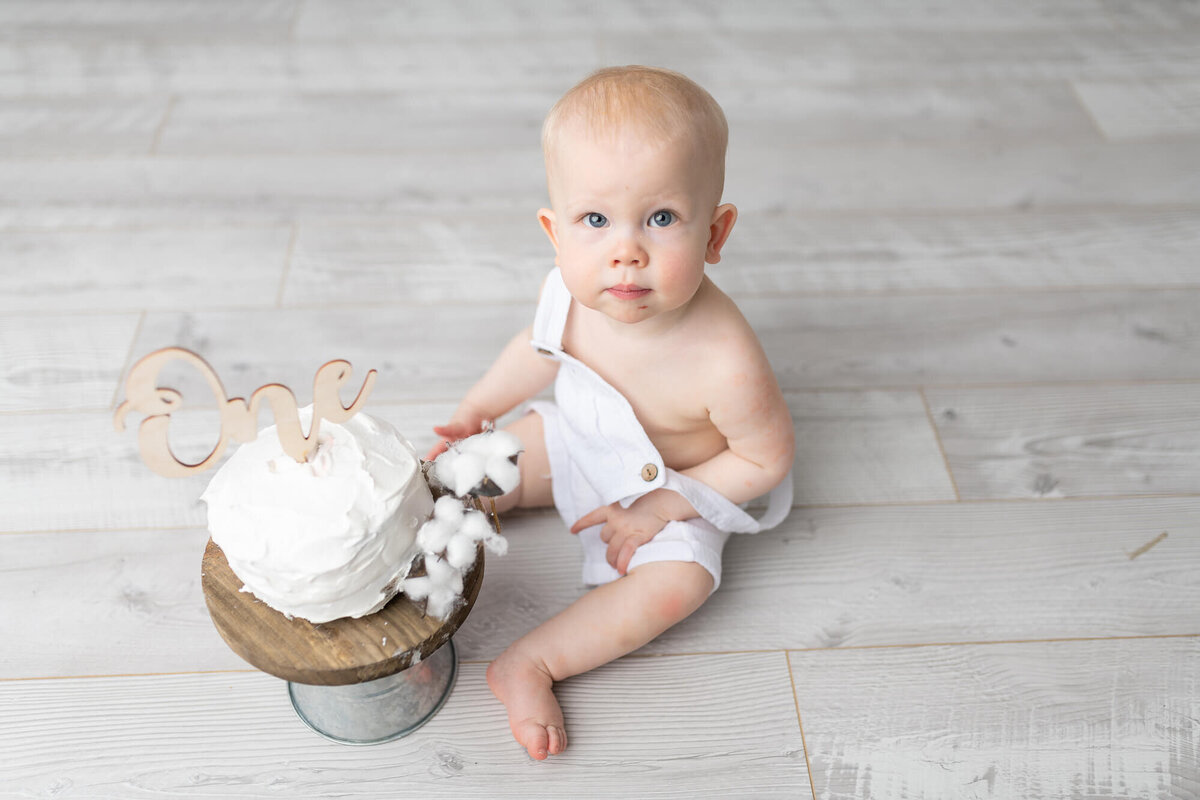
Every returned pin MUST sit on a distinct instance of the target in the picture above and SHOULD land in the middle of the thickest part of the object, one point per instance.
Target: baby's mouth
(628, 291)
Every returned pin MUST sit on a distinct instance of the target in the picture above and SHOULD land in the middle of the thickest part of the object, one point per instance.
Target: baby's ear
(719, 230)
(550, 225)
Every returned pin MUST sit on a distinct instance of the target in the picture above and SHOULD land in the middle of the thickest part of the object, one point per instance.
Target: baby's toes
(557, 739)
(534, 737)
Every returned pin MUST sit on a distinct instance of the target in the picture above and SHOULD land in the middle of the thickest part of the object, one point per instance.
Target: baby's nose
(629, 251)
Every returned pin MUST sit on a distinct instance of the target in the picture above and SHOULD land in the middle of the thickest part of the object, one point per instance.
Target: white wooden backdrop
(970, 242)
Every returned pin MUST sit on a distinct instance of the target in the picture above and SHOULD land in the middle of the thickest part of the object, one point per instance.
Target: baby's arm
(746, 406)
(518, 374)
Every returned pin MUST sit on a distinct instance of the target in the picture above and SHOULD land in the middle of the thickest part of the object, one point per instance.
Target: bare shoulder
(730, 346)
(739, 388)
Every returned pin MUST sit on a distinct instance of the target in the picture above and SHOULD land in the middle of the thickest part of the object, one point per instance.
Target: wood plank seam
(1035, 139)
(1087, 110)
(130, 528)
(937, 438)
(981, 643)
(802, 213)
(907, 645)
(982, 291)
(679, 654)
(137, 331)
(795, 507)
(1108, 288)
(294, 22)
(798, 213)
(1094, 382)
(288, 257)
(102, 676)
(156, 140)
(800, 721)
(45, 412)
(985, 500)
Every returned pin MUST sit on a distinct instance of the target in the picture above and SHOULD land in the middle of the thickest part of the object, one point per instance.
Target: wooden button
(649, 472)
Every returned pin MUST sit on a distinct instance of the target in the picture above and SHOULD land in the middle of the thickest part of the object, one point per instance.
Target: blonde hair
(664, 105)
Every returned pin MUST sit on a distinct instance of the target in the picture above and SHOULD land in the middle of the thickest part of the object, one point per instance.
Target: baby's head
(635, 163)
(655, 107)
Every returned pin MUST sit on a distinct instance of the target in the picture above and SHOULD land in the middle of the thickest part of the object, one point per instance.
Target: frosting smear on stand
(329, 538)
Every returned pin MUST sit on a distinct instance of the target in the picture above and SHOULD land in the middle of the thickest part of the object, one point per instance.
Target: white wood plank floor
(970, 242)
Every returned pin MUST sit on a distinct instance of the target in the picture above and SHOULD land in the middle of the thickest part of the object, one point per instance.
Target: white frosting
(326, 539)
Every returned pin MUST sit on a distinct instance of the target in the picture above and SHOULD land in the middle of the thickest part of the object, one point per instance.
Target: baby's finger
(614, 551)
(437, 450)
(593, 517)
(628, 548)
(621, 546)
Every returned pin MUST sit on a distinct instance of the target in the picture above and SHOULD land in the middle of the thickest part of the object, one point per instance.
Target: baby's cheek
(571, 277)
(683, 276)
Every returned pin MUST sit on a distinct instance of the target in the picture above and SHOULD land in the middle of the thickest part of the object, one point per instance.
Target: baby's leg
(534, 489)
(604, 624)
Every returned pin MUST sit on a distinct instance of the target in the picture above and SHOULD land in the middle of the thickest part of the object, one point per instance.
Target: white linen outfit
(599, 454)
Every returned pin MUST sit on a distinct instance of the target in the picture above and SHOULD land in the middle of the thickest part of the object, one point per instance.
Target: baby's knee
(533, 463)
(680, 587)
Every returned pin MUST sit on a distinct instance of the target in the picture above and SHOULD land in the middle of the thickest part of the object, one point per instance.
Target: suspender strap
(726, 516)
(551, 318)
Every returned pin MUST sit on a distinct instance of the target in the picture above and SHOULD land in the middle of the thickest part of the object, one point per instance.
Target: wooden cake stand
(355, 681)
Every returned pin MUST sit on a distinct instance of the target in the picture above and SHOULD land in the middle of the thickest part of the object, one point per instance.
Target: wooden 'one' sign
(238, 418)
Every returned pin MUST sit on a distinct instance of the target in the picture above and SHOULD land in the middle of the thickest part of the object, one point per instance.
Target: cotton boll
(442, 605)
(476, 444)
(503, 472)
(497, 544)
(436, 534)
(443, 467)
(461, 552)
(417, 588)
(443, 575)
(461, 471)
(475, 526)
(467, 472)
(447, 587)
(464, 467)
(441, 588)
(506, 444)
(494, 443)
(448, 509)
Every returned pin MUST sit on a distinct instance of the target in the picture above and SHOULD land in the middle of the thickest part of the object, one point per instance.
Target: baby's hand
(625, 530)
(452, 431)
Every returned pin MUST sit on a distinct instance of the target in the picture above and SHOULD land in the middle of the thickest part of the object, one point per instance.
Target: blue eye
(661, 219)
(596, 220)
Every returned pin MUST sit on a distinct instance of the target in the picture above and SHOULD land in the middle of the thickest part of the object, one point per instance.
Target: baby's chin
(630, 314)
(624, 311)
(631, 317)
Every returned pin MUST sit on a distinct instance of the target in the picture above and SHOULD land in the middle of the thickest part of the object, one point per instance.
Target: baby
(667, 414)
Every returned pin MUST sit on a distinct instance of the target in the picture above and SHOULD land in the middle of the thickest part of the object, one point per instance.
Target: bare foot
(526, 689)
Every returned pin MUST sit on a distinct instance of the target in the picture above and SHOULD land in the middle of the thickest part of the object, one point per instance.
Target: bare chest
(665, 388)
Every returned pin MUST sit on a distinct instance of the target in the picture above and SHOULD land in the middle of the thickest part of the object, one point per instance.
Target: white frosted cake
(326, 539)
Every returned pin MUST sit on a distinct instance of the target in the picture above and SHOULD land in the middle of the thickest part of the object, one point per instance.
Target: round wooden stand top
(335, 653)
